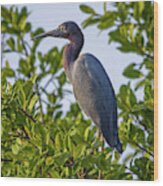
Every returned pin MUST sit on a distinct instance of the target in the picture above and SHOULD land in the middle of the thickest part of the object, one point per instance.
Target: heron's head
(68, 30)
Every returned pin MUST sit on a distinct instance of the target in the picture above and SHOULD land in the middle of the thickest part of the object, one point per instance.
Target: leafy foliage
(40, 138)
(130, 25)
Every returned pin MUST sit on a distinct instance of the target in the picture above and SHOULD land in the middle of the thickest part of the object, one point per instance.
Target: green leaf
(19, 141)
(15, 18)
(79, 150)
(28, 27)
(28, 88)
(105, 7)
(55, 174)
(132, 73)
(22, 22)
(86, 9)
(24, 11)
(107, 20)
(33, 79)
(61, 158)
(6, 14)
(62, 78)
(8, 72)
(138, 9)
(11, 43)
(90, 21)
(19, 45)
(15, 149)
(33, 101)
(52, 98)
(49, 160)
(58, 141)
(86, 133)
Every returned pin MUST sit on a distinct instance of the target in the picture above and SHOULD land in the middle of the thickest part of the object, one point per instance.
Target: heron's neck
(71, 51)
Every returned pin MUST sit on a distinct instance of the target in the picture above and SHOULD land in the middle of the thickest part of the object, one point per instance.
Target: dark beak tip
(38, 37)
(53, 33)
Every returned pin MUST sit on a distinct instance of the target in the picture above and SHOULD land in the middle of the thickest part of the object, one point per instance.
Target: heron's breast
(84, 92)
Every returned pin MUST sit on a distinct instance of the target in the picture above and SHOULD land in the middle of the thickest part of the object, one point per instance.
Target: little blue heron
(91, 85)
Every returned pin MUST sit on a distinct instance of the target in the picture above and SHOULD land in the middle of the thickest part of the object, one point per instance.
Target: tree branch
(143, 149)
(23, 44)
(49, 81)
(6, 160)
(26, 114)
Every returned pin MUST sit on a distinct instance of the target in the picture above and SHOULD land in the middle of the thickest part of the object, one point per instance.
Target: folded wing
(95, 95)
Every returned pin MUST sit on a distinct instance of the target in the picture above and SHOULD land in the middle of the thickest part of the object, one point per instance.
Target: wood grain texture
(155, 90)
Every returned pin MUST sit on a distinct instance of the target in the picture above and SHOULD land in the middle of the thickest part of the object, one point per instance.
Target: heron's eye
(62, 28)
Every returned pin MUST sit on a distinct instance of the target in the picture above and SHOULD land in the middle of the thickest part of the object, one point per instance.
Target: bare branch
(24, 47)
(143, 149)
(49, 81)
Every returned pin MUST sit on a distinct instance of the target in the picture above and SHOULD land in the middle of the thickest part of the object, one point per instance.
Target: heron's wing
(95, 94)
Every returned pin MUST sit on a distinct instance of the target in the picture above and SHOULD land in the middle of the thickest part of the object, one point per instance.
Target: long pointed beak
(52, 33)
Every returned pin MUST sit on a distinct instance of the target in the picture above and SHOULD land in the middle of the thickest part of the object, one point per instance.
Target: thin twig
(49, 81)
(27, 114)
(143, 149)
(24, 47)
(27, 45)
(6, 160)
(148, 56)
(27, 138)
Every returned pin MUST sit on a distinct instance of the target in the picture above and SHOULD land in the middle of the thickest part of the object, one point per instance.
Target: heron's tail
(119, 147)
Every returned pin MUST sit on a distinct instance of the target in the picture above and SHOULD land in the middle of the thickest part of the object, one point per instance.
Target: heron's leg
(100, 135)
(103, 142)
